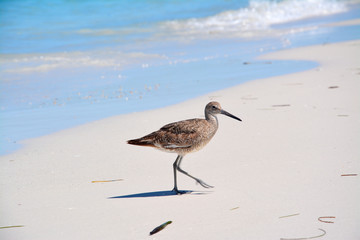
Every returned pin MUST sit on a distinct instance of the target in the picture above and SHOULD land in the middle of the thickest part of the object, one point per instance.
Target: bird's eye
(213, 107)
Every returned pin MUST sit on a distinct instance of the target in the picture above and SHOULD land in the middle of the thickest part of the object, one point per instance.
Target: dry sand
(274, 174)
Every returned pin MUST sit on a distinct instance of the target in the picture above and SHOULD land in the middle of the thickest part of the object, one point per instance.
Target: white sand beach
(281, 173)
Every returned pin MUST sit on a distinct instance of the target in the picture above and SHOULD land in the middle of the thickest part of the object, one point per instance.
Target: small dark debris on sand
(14, 226)
(317, 236)
(281, 105)
(159, 228)
(324, 221)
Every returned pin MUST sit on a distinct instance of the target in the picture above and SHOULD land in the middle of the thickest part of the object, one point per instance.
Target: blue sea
(65, 63)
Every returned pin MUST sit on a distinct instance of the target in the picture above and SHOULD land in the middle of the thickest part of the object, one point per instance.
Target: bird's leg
(175, 189)
(202, 183)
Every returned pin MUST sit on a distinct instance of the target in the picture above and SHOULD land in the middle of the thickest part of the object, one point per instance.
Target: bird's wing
(181, 134)
(187, 126)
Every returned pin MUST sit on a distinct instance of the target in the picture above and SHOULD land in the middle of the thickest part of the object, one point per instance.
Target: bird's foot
(202, 183)
(179, 192)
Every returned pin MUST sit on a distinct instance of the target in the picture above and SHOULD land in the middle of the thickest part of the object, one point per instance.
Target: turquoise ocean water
(65, 63)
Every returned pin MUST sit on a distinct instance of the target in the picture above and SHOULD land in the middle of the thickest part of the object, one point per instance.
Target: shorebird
(184, 137)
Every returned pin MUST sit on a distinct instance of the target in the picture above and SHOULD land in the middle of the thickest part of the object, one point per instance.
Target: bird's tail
(141, 142)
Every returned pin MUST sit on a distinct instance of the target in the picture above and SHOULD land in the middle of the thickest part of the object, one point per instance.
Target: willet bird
(184, 137)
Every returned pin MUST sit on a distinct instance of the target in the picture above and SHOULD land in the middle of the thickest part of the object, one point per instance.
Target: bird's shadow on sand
(160, 194)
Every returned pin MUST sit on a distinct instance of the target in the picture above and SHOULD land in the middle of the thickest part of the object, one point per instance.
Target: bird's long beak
(229, 115)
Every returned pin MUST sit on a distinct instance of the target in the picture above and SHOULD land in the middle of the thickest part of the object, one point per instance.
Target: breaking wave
(255, 19)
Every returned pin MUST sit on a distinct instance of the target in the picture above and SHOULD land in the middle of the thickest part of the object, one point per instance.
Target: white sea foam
(256, 19)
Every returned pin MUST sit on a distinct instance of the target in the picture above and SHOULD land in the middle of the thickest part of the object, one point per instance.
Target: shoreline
(46, 117)
(275, 174)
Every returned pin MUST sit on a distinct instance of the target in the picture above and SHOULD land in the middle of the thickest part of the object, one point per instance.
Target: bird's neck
(212, 119)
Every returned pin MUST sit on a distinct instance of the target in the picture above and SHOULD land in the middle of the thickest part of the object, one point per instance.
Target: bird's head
(214, 108)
